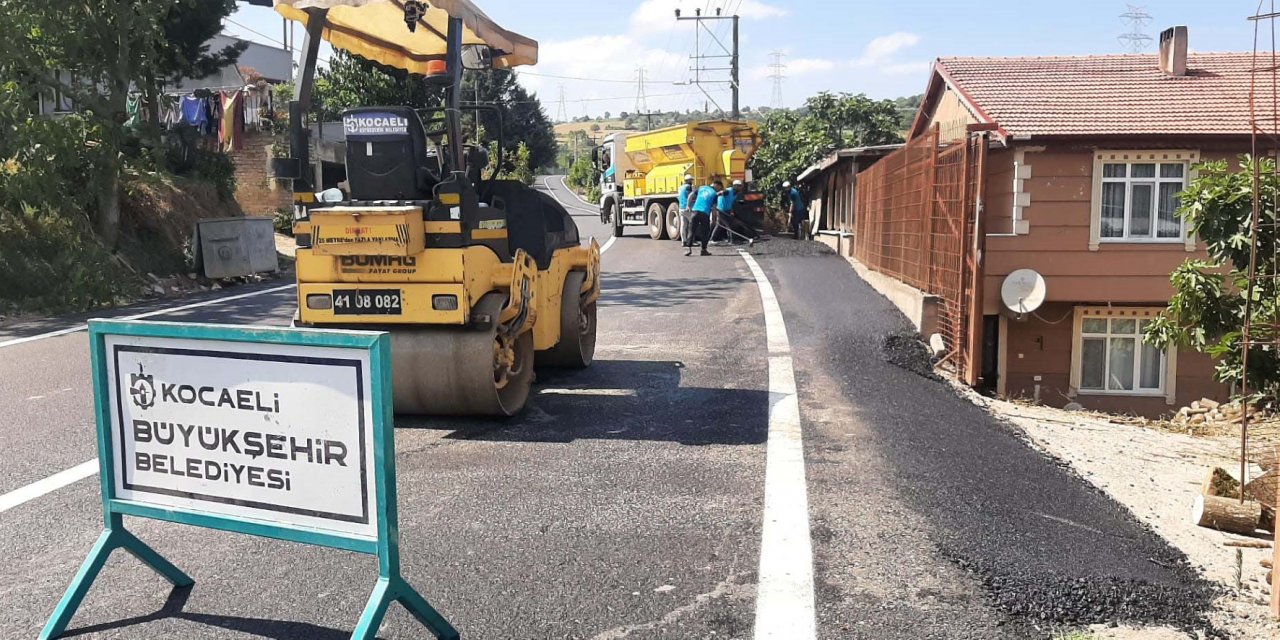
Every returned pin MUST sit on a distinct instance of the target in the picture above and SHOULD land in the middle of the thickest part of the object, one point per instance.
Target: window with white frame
(1135, 196)
(1140, 200)
(1114, 358)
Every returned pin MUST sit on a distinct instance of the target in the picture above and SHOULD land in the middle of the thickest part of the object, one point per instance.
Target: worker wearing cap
(700, 223)
(796, 206)
(685, 198)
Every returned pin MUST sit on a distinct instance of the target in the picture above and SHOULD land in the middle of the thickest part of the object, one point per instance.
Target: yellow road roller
(477, 279)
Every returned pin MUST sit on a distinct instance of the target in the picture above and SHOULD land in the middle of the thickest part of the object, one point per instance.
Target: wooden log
(1220, 484)
(1247, 544)
(1226, 514)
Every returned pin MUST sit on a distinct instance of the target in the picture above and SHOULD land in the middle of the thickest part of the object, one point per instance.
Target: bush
(284, 222)
(52, 262)
(218, 169)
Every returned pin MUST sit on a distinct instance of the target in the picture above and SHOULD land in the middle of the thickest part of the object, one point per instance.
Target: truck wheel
(618, 227)
(673, 221)
(657, 221)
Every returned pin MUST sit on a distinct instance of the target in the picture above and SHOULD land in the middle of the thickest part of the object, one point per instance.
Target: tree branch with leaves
(1208, 309)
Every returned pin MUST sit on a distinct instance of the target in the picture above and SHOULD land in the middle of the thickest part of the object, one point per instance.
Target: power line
(778, 75)
(699, 57)
(258, 33)
(1136, 20)
(559, 77)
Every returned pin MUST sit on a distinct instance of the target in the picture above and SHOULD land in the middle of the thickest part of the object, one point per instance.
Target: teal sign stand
(147, 374)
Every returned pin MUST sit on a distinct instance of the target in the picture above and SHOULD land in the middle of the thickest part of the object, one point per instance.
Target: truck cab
(612, 165)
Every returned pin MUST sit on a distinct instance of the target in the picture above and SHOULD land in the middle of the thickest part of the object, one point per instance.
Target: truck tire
(618, 227)
(657, 218)
(673, 221)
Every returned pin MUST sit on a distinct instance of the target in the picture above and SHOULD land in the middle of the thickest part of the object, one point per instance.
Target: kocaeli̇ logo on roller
(142, 389)
(375, 124)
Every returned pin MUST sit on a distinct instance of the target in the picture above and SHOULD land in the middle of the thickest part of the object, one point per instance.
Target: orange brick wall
(257, 193)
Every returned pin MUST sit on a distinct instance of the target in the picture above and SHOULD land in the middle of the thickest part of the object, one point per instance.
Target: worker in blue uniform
(685, 198)
(704, 203)
(797, 207)
(724, 208)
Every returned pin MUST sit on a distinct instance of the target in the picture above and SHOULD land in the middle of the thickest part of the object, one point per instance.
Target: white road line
(149, 314)
(48, 485)
(608, 243)
(615, 393)
(784, 599)
(564, 182)
(590, 208)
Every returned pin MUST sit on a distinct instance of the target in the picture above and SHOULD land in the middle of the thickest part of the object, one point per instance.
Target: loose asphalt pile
(905, 349)
(1043, 545)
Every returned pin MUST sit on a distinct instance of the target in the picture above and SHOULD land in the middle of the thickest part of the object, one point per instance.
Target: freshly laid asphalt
(626, 501)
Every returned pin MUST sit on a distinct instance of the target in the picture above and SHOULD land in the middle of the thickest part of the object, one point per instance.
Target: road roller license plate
(367, 302)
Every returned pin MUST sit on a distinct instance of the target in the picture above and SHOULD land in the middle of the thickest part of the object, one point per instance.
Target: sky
(590, 51)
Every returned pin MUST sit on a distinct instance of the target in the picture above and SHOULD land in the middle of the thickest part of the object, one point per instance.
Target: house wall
(952, 116)
(1058, 197)
(256, 191)
(1041, 345)
(1053, 186)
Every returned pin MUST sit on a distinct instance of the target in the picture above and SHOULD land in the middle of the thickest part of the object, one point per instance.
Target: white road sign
(281, 434)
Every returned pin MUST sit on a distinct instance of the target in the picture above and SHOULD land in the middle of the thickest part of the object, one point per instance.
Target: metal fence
(916, 222)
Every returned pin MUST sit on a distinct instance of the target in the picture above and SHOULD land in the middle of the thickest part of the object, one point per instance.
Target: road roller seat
(386, 154)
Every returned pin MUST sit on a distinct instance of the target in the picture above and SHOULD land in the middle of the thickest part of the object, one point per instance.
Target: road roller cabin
(477, 279)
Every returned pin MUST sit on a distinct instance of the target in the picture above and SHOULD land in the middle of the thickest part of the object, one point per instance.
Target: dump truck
(477, 279)
(641, 173)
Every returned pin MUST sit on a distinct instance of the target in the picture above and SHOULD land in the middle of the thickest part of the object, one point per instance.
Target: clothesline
(223, 112)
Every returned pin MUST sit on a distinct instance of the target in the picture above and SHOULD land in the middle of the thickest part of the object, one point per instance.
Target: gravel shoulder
(1155, 474)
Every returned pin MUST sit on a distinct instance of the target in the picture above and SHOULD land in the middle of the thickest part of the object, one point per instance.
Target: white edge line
(784, 598)
(140, 316)
(564, 182)
(48, 485)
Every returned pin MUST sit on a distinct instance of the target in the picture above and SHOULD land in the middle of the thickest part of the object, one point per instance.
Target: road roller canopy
(376, 30)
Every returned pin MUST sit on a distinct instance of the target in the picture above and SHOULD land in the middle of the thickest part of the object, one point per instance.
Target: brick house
(1077, 177)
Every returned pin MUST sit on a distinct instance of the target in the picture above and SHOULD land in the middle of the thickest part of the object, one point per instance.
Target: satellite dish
(1023, 291)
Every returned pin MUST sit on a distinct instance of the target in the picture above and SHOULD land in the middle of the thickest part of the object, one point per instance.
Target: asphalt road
(627, 501)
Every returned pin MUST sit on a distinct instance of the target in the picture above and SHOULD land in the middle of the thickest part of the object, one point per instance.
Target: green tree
(524, 121)
(350, 81)
(1207, 310)
(93, 52)
(793, 140)
(583, 178)
(188, 27)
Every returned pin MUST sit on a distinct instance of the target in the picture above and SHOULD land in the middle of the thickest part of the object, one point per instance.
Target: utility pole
(729, 52)
(778, 75)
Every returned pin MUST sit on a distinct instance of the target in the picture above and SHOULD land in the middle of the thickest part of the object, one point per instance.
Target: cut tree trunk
(1226, 514)
(1220, 484)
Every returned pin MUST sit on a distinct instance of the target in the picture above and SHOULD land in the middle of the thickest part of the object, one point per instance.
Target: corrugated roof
(1107, 95)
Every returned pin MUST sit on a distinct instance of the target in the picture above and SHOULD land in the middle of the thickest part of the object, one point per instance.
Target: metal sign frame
(390, 586)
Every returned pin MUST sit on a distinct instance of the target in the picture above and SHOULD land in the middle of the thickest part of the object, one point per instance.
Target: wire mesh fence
(916, 212)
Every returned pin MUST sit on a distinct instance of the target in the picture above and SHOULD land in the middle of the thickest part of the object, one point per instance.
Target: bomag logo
(378, 264)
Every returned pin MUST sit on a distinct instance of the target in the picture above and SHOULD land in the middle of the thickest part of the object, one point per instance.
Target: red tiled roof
(1108, 95)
